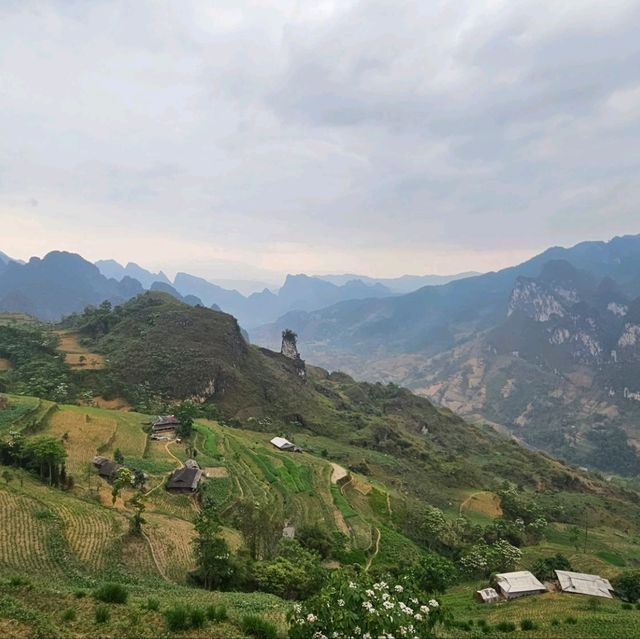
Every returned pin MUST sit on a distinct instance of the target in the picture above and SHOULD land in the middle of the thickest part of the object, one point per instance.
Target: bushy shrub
(69, 614)
(527, 624)
(197, 617)
(152, 604)
(112, 593)
(217, 613)
(571, 621)
(627, 585)
(80, 594)
(555, 622)
(177, 618)
(17, 582)
(627, 606)
(102, 614)
(257, 627)
(545, 568)
(506, 626)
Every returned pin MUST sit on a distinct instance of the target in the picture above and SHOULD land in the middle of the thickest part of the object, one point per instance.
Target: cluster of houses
(510, 585)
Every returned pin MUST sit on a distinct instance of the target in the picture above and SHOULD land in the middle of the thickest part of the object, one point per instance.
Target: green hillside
(385, 481)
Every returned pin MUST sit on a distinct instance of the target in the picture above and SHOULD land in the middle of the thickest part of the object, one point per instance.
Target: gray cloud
(367, 135)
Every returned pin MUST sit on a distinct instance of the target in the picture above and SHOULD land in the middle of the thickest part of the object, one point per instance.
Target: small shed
(487, 595)
(289, 532)
(164, 423)
(518, 584)
(284, 444)
(584, 584)
(184, 480)
(191, 463)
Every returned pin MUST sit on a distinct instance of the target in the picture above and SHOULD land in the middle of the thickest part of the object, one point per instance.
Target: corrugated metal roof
(281, 442)
(488, 594)
(584, 584)
(520, 581)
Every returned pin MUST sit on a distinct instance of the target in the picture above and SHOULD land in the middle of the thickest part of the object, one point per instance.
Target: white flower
(297, 608)
(311, 618)
(366, 635)
(352, 585)
(414, 600)
(388, 604)
(357, 630)
(424, 609)
(398, 588)
(341, 603)
(369, 593)
(417, 616)
(433, 603)
(385, 596)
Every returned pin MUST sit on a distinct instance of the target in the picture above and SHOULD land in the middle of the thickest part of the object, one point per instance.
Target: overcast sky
(381, 137)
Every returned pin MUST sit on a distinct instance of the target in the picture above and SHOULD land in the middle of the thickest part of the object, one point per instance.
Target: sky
(250, 139)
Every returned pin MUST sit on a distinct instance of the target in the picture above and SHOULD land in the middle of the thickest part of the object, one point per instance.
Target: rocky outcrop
(535, 301)
(289, 349)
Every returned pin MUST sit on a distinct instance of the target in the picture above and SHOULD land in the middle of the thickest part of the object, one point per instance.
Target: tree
(124, 477)
(118, 457)
(574, 536)
(186, 411)
(316, 538)
(213, 559)
(434, 574)
(627, 585)
(7, 475)
(261, 526)
(295, 573)
(137, 502)
(544, 568)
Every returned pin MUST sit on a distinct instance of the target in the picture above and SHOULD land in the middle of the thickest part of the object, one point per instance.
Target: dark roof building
(106, 468)
(165, 422)
(184, 479)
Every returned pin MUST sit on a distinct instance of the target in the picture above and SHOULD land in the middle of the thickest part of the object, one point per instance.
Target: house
(583, 584)
(164, 423)
(107, 469)
(184, 480)
(284, 444)
(191, 463)
(518, 584)
(487, 595)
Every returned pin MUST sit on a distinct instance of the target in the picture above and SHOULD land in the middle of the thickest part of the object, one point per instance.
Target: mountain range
(547, 349)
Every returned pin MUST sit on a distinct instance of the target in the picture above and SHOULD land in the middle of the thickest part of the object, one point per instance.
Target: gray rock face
(289, 349)
(536, 301)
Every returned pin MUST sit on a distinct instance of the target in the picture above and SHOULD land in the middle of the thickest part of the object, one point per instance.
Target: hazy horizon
(247, 141)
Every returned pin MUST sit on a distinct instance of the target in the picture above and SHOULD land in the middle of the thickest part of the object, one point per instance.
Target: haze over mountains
(547, 349)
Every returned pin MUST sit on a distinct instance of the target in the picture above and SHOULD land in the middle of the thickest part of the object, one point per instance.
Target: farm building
(583, 584)
(518, 584)
(107, 469)
(487, 595)
(164, 423)
(184, 480)
(284, 444)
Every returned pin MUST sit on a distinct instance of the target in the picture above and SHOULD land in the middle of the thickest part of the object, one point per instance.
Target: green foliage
(261, 526)
(484, 559)
(627, 585)
(255, 626)
(434, 573)
(112, 593)
(102, 614)
(69, 614)
(177, 618)
(544, 568)
(349, 607)
(571, 621)
(217, 613)
(506, 626)
(528, 624)
(294, 574)
(316, 538)
(152, 603)
(186, 411)
(214, 565)
(626, 606)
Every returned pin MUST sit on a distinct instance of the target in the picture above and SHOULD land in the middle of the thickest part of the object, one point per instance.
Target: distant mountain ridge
(545, 349)
(402, 284)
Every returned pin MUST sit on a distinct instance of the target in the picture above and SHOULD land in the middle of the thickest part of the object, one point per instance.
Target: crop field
(19, 409)
(555, 615)
(25, 534)
(171, 540)
(76, 355)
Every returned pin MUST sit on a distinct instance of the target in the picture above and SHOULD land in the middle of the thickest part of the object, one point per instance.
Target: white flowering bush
(360, 608)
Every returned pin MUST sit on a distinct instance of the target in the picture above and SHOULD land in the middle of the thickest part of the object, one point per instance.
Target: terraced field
(76, 355)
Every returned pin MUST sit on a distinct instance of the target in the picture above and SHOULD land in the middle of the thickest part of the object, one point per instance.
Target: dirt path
(166, 447)
(337, 473)
(389, 505)
(375, 551)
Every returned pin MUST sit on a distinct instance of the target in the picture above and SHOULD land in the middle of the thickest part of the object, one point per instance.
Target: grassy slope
(70, 538)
